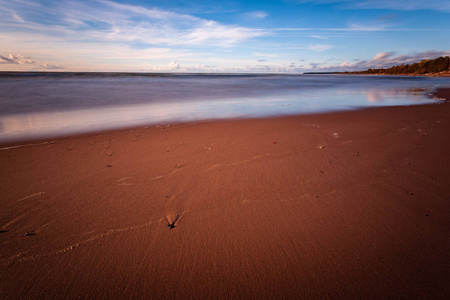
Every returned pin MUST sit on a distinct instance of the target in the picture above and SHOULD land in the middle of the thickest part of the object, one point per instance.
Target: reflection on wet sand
(45, 124)
(393, 95)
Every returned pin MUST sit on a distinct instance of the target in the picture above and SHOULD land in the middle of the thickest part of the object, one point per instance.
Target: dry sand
(341, 205)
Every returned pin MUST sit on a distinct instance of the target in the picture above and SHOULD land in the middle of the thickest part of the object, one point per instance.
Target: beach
(352, 204)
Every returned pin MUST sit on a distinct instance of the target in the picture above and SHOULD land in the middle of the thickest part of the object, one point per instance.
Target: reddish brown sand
(341, 205)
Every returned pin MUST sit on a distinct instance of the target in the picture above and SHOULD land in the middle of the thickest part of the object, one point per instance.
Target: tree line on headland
(433, 67)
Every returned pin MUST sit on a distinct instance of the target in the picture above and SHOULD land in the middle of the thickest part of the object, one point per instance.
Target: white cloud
(49, 67)
(150, 13)
(108, 21)
(16, 59)
(382, 56)
(105, 35)
(221, 35)
(319, 47)
(174, 66)
(344, 64)
(257, 15)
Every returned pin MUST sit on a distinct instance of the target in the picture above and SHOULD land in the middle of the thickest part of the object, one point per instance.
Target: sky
(281, 36)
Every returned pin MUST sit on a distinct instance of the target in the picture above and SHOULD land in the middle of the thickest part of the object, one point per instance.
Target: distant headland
(433, 67)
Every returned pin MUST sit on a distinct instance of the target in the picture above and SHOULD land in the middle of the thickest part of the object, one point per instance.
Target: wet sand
(340, 205)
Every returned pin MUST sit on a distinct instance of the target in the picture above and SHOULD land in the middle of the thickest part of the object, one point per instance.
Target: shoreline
(349, 204)
(53, 138)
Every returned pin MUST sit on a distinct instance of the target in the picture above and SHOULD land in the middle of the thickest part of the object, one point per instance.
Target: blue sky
(220, 36)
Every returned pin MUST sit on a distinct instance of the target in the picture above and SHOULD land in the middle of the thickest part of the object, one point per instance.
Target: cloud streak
(406, 5)
(319, 47)
(257, 15)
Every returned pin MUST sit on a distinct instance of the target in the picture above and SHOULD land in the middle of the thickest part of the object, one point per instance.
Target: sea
(39, 105)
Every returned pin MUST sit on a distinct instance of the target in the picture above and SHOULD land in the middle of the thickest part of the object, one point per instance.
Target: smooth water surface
(38, 105)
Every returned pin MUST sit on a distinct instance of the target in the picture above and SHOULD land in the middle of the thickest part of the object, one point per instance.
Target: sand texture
(342, 205)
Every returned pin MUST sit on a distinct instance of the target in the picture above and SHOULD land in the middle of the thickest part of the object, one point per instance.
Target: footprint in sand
(172, 221)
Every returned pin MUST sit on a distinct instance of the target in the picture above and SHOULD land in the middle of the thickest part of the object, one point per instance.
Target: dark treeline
(432, 66)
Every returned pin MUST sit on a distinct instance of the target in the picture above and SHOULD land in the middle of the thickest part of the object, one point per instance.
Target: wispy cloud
(107, 35)
(102, 20)
(318, 47)
(367, 27)
(16, 59)
(382, 56)
(313, 47)
(257, 15)
(222, 35)
(265, 54)
(320, 37)
(439, 5)
(17, 18)
(315, 31)
(154, 13)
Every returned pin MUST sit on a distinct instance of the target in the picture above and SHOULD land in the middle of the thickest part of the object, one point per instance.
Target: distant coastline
(438, 67)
